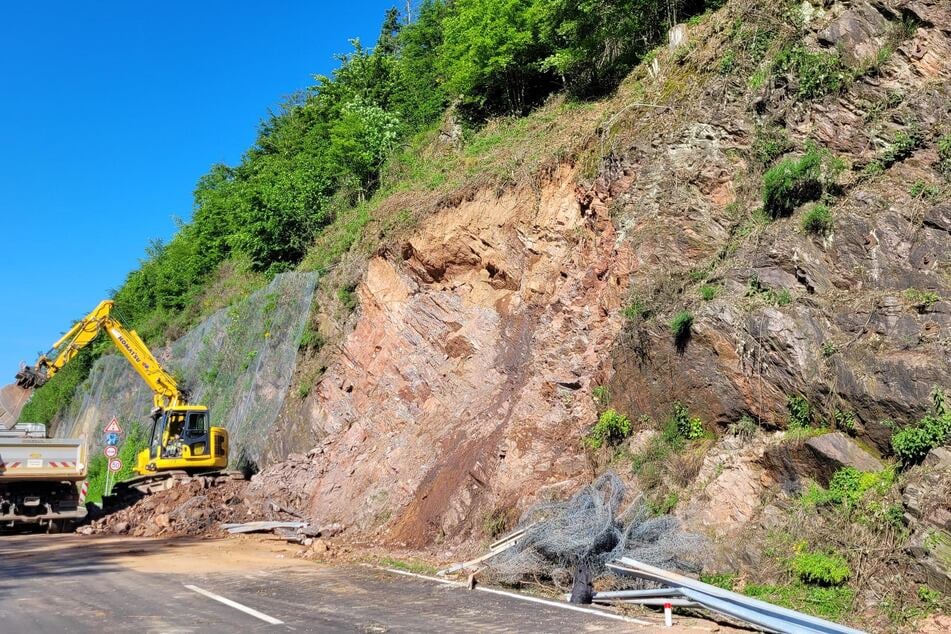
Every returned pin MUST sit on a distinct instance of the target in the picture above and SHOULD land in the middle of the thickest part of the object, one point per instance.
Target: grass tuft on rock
(792, 182)
(818, 220)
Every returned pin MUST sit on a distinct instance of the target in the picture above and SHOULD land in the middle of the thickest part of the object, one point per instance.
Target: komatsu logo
(129, 349)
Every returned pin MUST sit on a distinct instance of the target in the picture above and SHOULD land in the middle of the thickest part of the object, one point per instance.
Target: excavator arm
(167, 393)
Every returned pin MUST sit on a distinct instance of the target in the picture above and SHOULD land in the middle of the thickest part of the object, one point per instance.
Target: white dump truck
(40, 478)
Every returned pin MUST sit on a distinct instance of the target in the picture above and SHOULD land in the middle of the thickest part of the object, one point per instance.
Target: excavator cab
(183, 438)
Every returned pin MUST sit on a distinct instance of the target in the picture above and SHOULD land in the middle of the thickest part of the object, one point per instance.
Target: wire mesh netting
(594, 527)
(239, 362)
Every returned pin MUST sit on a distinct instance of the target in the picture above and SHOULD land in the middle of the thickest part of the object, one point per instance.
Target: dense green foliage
(816, 73)
(681, 324)
(911, 444)
(848, 486)
(708, 292)
(610, 429)
(592, 44)
(725, 580)
(800, 412)
(844, 421)
(490, 56)
(901, 147)
(745, 428)
(690, 427)
(922, 301)
(755, 289)
(944, 154)
(817, 220)
(769, 144)
(828, 602)
(635, 309)
(600, 395)
(823, 569)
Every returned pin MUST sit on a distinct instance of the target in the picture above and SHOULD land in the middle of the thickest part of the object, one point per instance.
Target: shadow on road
(34, 556)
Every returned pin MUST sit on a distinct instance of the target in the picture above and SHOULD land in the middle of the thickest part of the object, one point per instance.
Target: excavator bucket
(12, 400)
(30, 377)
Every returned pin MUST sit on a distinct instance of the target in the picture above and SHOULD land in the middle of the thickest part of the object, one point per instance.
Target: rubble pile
(291, 484)
(198, 505)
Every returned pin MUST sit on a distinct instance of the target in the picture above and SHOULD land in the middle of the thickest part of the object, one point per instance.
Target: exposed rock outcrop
(927, 500)
(465, 388)
(466, 381)
(816, 459)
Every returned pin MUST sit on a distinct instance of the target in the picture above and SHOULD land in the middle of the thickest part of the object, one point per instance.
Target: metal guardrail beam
(760, 613)
(638, 594)
(657, 602)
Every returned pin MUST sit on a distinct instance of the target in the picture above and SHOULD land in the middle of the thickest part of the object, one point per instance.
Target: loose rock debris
(197, 506)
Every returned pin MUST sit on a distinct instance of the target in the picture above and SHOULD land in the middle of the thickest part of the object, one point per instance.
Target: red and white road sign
(111, 451)
(115, 465)
(113, 427)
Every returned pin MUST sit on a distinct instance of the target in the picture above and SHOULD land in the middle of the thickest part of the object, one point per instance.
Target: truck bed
(37, 459)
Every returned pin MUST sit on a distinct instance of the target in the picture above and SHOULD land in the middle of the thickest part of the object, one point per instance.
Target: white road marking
(524, 597)
(236, 606)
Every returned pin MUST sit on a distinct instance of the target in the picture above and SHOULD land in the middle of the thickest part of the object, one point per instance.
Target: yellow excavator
(182, 438)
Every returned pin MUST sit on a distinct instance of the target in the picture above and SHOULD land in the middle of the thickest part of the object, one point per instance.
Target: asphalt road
(75, 584)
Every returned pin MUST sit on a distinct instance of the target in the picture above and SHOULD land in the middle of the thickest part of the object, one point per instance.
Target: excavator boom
(164, 386)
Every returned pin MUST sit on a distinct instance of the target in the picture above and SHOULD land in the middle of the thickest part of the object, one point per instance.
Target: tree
(388, 42)
(422, 96)
(490, 56)
(594, 43)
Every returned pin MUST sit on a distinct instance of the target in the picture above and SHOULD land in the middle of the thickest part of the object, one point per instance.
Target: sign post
(113, 438)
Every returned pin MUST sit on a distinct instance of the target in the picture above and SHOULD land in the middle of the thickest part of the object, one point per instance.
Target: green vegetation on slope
(328, 149)
(911, 444)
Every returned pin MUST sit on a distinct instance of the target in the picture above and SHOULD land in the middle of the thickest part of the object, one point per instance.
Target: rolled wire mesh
(594, 528)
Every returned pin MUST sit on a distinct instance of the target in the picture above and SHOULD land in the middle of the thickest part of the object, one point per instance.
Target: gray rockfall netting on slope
(594, 527)
(239, 362)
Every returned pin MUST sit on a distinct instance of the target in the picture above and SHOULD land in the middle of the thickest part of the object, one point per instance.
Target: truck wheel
(59, 526)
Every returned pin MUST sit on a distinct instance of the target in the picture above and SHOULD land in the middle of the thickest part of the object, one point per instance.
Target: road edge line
(525, 597)
(237, 606)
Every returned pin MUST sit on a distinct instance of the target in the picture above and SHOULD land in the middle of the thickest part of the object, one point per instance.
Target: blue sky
(109, 114)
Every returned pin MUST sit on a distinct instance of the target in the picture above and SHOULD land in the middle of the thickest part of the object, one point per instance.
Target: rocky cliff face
(850, 337)
(466, 381)
(465, 387)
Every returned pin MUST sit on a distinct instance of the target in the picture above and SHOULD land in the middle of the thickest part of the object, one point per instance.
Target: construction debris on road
(295, 532)
(211, 504)
(197, 505)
